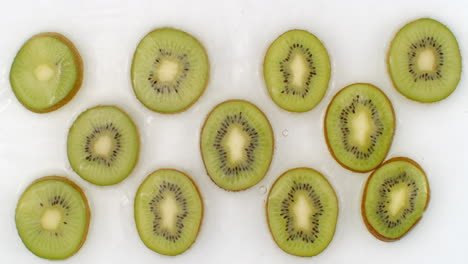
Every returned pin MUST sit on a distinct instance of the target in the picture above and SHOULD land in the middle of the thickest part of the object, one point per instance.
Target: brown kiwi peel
(268, 196)
(83, 196)
(79, 69)
(363, 208)
(388, 67)
(207, 74)
(387, 61)
(138, 134)
(272, 140)
(199, 194)
(326, 134)
(263, 69)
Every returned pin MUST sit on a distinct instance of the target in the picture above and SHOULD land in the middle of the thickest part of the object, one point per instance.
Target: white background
(236, 35)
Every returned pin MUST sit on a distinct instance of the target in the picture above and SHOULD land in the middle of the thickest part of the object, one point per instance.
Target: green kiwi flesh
(52, 217)
(168, 212)
(170, 70)
(236, 145)
(302, 211)
(297, 71)
(103, 145)
(46, 72)
(359, 127)
(424, 61)
(394, 199)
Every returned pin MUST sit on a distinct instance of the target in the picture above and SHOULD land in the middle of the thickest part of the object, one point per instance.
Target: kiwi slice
(424, 61)
(170, 70)
(297, 71)
(359, 127)
(52, 217)
(46, 73)
(236, 145)
(168, 211)
(103, 145)
(395, 197)
(302, 210)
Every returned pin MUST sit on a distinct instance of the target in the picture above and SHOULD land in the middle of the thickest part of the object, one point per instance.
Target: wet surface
(236, 36)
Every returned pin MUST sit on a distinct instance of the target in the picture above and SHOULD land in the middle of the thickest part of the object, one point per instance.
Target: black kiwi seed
(395, 197)
(420, 77)
(358, 153)
(90, 156)
(288, 89)
(427, 42)
(359, 126)
(297, 87)
(55, 240)
(58, 200)
(311, 235)
(173, 86)
(383, 192)
(295, 229)
(222, 131)
(176, 90)
(157, 229)
(237, 145)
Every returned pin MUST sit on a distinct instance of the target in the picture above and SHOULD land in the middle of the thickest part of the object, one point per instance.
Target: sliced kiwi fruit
(302, 210)
(359, 127)
(103, 145)
(52, 217)
(395, 197)
(46, 72)
(168, 211)
(170, 70)
(236, 145)
(297, 71)
(424, 61)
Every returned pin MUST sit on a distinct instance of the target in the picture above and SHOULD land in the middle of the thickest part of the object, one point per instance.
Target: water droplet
(262, 189)
(4, 104)
(285, 133)
(124, 201)
(149, 119)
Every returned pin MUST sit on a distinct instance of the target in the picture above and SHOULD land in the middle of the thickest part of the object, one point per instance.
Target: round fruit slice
(170, 70)
(46, 73)
(394, 199)
(103, 145)
(168, 212)
(236, 145)
(52, 217)
(424, 61)
(359, 127)
(302, 210)
(297, 71)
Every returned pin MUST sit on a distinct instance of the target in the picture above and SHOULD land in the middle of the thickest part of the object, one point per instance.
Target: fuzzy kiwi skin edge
(139, 143)
(268, 197)
(388, 63)
(326, 134)
(85, 200)
(263, 69)
(272, 141)
(199, 194)
(79, 69)
(363, 207)
(204, 86)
